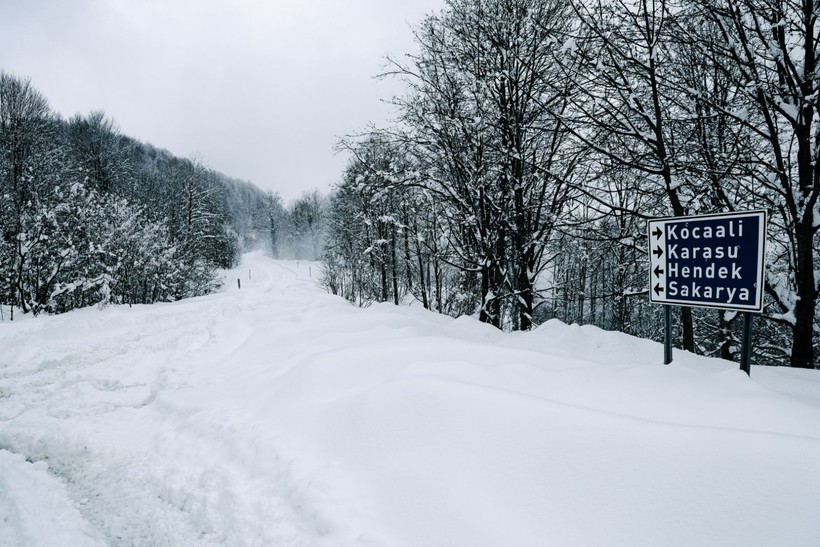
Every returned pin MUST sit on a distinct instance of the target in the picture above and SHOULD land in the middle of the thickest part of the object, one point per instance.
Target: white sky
(261, 90)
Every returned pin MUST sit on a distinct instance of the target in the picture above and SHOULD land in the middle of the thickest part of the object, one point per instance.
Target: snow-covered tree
(89, 216)
(769, 52)
(98, 148)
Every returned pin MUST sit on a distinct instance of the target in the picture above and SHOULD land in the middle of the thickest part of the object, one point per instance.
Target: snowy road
(280, 415)
(98, 403)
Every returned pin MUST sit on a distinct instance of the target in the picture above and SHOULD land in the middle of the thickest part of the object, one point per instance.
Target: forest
(91, 216)
(534, 139)
(532, 142)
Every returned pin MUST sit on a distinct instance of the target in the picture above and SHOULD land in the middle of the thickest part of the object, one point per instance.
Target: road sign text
(708, 260)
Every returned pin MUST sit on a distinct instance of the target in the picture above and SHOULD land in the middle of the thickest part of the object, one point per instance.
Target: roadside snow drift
(280, 415)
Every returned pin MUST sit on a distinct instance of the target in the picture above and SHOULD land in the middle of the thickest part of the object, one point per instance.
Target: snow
(789, 110)
(27, 491)
(569, 47)
(281, 415)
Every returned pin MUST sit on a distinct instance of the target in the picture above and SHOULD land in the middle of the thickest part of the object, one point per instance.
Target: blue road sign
(711, 261)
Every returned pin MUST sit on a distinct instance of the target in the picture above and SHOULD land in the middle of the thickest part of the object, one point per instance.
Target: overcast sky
(260, 90)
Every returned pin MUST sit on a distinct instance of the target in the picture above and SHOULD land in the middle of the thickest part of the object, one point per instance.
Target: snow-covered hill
(280, 415)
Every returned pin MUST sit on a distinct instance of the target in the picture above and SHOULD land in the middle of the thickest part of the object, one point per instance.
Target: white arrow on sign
(657, 260)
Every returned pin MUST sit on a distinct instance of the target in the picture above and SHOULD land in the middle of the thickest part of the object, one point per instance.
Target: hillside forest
(535, 138)
(91, 216)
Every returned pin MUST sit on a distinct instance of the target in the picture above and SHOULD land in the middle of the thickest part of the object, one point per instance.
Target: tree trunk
(802, 355)
(483, 314)
(422, 280)
(383, 271)
(408, 264)
(687, 328)
(394, 269)
(525, 300)
(437, 275)
(726, 341)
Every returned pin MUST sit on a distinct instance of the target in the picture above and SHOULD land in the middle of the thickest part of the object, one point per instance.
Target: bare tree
(769, 51)
(96, 142)
(28, 144)
(619, 58)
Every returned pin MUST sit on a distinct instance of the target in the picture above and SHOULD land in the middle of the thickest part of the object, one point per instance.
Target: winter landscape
(277, 414)
(431, 273)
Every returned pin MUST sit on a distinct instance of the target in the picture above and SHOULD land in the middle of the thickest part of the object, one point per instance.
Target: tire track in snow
(35, 509)
(140, 469)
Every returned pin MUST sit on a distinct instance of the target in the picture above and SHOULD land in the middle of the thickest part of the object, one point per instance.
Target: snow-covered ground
(280, 415)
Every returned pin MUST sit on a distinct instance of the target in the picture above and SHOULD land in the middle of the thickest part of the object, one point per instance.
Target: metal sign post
(667, 335)
(710, 261)
(746, 344)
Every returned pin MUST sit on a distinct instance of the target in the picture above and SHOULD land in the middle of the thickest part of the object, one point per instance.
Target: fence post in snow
(238, 283)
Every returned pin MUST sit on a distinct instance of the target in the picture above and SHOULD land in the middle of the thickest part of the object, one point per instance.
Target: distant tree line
(91, 216)
(295, 232)
(536, 137)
